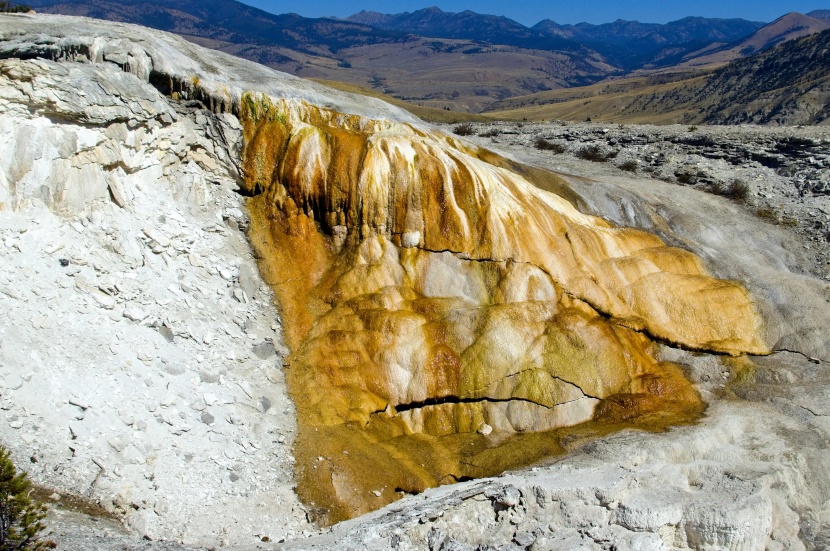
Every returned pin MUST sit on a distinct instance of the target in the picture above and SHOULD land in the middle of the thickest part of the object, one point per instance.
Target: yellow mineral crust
(429, 292)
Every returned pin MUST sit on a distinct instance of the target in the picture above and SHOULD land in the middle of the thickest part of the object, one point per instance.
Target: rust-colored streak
(447, 318)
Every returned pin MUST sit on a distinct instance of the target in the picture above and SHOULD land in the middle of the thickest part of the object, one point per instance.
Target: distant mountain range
(788, 84)
(228, 21)
(463, 61)
(783, 29)
(627, 44)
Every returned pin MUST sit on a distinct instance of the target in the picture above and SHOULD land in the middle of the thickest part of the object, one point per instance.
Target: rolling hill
(626, 44)
(229, 21)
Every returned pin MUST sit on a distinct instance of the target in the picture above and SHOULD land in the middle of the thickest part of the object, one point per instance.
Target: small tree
(20, 517)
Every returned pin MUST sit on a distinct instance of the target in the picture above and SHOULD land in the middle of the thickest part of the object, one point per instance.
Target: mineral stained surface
(452, 314)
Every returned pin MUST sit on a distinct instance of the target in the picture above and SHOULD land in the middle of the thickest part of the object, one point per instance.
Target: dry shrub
(737, 190)
(629, 166)
(465, 129)
(546, 145)
(593, 153)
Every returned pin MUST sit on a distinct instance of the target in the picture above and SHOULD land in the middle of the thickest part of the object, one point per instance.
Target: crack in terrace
(547, 373)
(458, 400)
(802, 354)
(462, 255)
(555, 378)
(813, 413)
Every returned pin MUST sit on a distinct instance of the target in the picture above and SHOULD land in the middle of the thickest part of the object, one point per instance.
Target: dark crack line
(814, 414)
(458, 400)
(556, 378)
(802, 354)
(465, 256)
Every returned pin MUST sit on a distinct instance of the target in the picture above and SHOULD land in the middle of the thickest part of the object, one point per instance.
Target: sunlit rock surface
(433, 296)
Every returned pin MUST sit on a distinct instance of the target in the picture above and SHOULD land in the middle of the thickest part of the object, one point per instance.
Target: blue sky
(561, 11)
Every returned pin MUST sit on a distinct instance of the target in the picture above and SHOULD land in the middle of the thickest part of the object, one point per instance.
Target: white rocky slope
(141, 373)
(140, 355)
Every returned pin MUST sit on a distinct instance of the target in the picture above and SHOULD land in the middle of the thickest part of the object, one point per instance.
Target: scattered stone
(76, 431)
(249, 281)
(134, 313)
(116, 189)
(524, 539)
(264, 350)
(239, 295)
(126, 417)
(117, 444)
(226, 274)
(79, 403)
(168, 400)
(172, 367)
(246, 388)
(11, 382)
(166, 332)
(103, 300)
(12, 293)
(206, 376)
(157, 236)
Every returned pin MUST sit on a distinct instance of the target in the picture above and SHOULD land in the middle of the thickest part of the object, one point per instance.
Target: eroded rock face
(441, 294)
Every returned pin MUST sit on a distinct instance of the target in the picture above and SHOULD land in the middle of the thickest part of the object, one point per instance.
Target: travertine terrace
(430, 291)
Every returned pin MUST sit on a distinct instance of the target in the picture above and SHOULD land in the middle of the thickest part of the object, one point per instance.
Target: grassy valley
(656, 99)
(430, 114)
